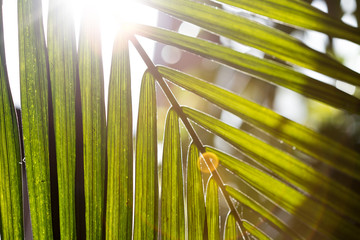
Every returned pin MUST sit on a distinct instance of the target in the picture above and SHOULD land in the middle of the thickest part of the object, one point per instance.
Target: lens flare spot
(208, 162)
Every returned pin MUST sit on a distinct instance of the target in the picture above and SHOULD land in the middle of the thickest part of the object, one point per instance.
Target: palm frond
(195, 196)
(146, 170)
(172, 223)
(119, 145)
(289, 131)
(35, 119)
(10, 160)
(212, 210)
(94, 124)
(256, 174)
(61, 46)
(300, 14)
(261, 68)
(284, 165)
(267, 39)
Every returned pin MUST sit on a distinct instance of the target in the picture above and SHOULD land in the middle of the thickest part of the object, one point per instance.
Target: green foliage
(253, 230)
(94, 124)
(284, 165)
(261, 68)
(230, 228)
(264, 179)
(119, 146)
(146, 186)
(299, 14)
(212, 210)
(172, 224)
(34, 107)
(10, 167)
(195, 196)
(269, 40)
(63, 73)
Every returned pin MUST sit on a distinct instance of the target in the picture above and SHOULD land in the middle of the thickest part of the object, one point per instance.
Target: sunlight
(111, 15)
(121, 10)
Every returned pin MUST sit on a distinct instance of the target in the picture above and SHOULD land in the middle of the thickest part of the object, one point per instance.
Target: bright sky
(110, 12)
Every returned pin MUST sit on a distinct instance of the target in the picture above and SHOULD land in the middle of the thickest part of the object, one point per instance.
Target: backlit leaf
(264, 212)
(212, 210)
(63, 72)
(11, 220)
(35, 119)
(195, 196)
(119, 145)
(304, 139)
(93, 115)
(304, 208)
(172, 203)
(286, 166)
(255, 231)
(261, 68)
(147, 186)
(299, 13)
(231, 231)
(269, 40)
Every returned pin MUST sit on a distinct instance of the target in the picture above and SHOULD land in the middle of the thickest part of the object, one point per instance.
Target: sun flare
(113, 12)
(208, 162)
(111, 16)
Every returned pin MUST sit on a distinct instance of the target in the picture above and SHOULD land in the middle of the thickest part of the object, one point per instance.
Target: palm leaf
(231, 231)
(11, 219)
(251, 203)
(286, 166)
(93, 115)
(34, 104)
(195, 196)
(301, 14)
(304, 208)
(172, 204)
(254, 231)
(63, 72)
(319, 202)
(261, 68)
(119, 145)
(282, 128)
(267, 39)
(146, 187)
(212, 210)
